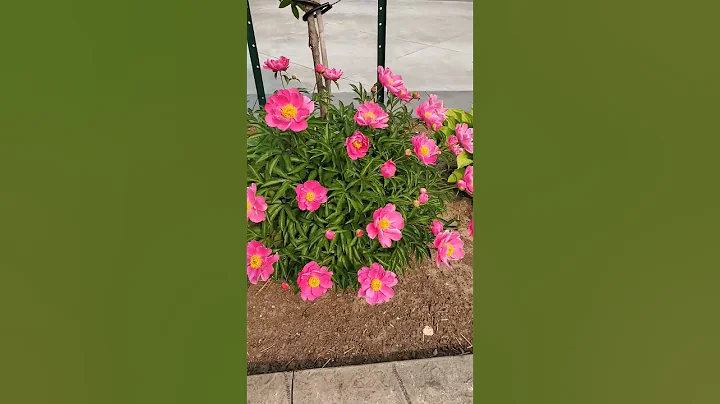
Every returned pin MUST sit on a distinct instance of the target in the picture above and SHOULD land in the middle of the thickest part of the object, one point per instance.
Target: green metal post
(382, 19)
(255, 59)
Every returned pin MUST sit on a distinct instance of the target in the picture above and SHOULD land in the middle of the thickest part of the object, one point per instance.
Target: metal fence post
(382, 19)
(255, 59)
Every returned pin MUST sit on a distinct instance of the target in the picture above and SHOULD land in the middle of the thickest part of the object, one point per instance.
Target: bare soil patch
(286, 333)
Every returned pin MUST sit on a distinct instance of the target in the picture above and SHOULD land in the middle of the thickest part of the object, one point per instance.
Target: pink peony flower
(404, 94)
(425, 148)
(454, 145)
(372, 115)
(332, 74)
(285, 286)
(423, 198)
(389, 80)
(319, 68)
(376, 283)
(329, 234)
(310, 195)
(432, 112)
(387, 170)
(314, 281)
(277, 65)
(436, 227)
(359, 232)
(256, 205)
(470, 228)
(357, 145)
(387, 225)
(464, 136)
(259, 261)
(288, 109)
(467, 180)
(449, 247)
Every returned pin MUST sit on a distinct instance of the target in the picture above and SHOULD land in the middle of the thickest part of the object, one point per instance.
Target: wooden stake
(323, 50)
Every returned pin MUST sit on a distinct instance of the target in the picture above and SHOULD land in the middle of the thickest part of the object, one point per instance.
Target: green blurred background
(597, 275)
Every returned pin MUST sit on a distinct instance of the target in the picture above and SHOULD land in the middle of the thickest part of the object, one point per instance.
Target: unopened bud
(408, 152)
(416, 95)
(293, 77)
(373, 89)
(416, 203)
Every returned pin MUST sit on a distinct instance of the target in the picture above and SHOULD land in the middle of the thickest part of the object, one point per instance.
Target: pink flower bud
(319, 68)
(329, 234)
(423, 198)
(416, 95)
(416, 203)
(461, 185)
(436, 227)
(423, 191)
(373, 89)
(387, 170)
(359, 233)
(408, 152)
(285, 286)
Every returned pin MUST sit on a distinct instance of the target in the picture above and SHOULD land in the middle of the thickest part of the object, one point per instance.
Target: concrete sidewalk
(447, 380)
(429, 43)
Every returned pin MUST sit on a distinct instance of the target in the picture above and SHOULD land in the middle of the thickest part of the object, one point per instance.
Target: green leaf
(456, 175)
(463, 160)
(285, 3)
(295, 11)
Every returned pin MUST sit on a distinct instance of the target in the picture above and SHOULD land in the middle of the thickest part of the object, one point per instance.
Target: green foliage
(293, 6)
(464, 159)
(279, 161)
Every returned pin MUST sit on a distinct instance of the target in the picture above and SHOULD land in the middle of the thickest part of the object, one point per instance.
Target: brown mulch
(286, 333)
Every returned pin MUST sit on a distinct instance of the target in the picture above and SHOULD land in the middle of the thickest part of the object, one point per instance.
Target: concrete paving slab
(365, 384)
(413, 26)
(441, 70)
(447, 380)
(274, 388)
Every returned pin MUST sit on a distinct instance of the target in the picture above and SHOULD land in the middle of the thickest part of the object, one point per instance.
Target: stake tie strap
(323, 8)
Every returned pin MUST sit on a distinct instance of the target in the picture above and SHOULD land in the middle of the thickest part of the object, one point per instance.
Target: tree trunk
(314, 44)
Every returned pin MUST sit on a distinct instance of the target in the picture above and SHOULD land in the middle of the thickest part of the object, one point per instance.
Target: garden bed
(286, 333)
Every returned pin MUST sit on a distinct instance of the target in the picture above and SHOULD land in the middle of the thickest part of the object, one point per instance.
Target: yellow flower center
(424, 151)
(390, 81)
(310, 196)
(369, 114)
(450, 249)
(255, 262)
(384, 224)
(248, 206)
(288, 111)
(375, 284)
(314, 281)
(427, 114)
(357, 144)
(402, 92)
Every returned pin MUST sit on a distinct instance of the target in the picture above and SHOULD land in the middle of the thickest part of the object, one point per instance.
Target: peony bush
(346, 201)
(457, 130)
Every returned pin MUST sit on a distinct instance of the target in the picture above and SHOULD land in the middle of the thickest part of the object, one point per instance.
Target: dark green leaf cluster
(279, 161)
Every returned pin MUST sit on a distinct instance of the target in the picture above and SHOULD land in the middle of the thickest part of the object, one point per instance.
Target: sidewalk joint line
(402, 386)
